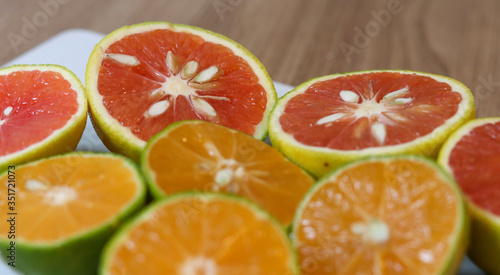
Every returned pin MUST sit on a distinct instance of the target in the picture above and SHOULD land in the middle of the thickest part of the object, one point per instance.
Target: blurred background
(297, 40)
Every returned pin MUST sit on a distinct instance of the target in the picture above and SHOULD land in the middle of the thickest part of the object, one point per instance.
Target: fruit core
(52, 195)
(375, 231)
(199, 266)
(183, 81)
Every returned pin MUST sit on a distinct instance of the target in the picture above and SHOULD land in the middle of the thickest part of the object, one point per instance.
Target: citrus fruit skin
(62, 140)
(78, 253)
(119, 138)
(458, 241)
(319, 160)
(485, 225)
(194, 202)
(258, 172)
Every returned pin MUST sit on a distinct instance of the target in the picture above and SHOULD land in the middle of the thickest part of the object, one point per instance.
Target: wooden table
(297, 39)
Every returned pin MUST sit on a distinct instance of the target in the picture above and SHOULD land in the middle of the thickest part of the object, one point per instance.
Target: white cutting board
(71, 49)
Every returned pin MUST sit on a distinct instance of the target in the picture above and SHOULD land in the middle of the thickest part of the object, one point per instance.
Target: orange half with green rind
(66, 208)
(202, 156)
(382, 215)
(331, 120)
(200, 233)
(472, 156)
(142, 78)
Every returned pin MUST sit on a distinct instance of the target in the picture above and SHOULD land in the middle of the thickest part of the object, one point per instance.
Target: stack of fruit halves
(350, 186)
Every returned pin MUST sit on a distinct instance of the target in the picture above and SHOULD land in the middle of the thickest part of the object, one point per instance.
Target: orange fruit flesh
(33, 105)
(129, 91)
(195, 153)
(60, 197)
(417, 206)
(475, 160)
(421, 99)
(192, 236)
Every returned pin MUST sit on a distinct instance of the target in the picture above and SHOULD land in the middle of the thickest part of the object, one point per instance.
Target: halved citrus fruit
(472, 156)
(210, 234)
(141, 78)
(385, 215)
(43, 112)
(331, 120)
(61, 210)
(198, 155)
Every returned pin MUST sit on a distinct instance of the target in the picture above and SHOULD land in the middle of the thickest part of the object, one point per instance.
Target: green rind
(118, 139)
(122, 233)
(319, 161)
(78, 254)
(484, 249)
(460, 239)
(64, 140)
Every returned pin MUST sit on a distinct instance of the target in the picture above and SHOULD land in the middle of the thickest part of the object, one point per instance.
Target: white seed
(208, 74)
(425, 108)
(379, 132)
(330, 118)
(7, 110)
(378, 232)
(190, 69)
(203, 107)
(124, 59)
(396, 93)
(34, 185)
(426, 256)
(403, 100)
(224, 177)
(349, 96)
(158, 108)
(172, 64)
(157, 92)
(396, 117)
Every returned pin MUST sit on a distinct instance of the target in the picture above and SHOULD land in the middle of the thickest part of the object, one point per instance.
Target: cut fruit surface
(472, 156)
(207, 157)
(144, 77)
(66, 208)
(328, 121)
(386, 215)
(211, 234)
(43, 111)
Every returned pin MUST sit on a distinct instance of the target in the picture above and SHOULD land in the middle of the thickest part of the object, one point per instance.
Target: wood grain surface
(297, 40)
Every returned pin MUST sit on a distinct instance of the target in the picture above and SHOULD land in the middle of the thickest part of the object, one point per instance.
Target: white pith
(80, 114)
(113, 128)
(292, 144)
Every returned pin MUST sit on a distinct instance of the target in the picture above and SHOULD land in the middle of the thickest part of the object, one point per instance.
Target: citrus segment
(209, 234)
(207, 157)
(398, 215)
(67, 207)
(472, 156)
(328, 121)
(144, 77)
(43, 111)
